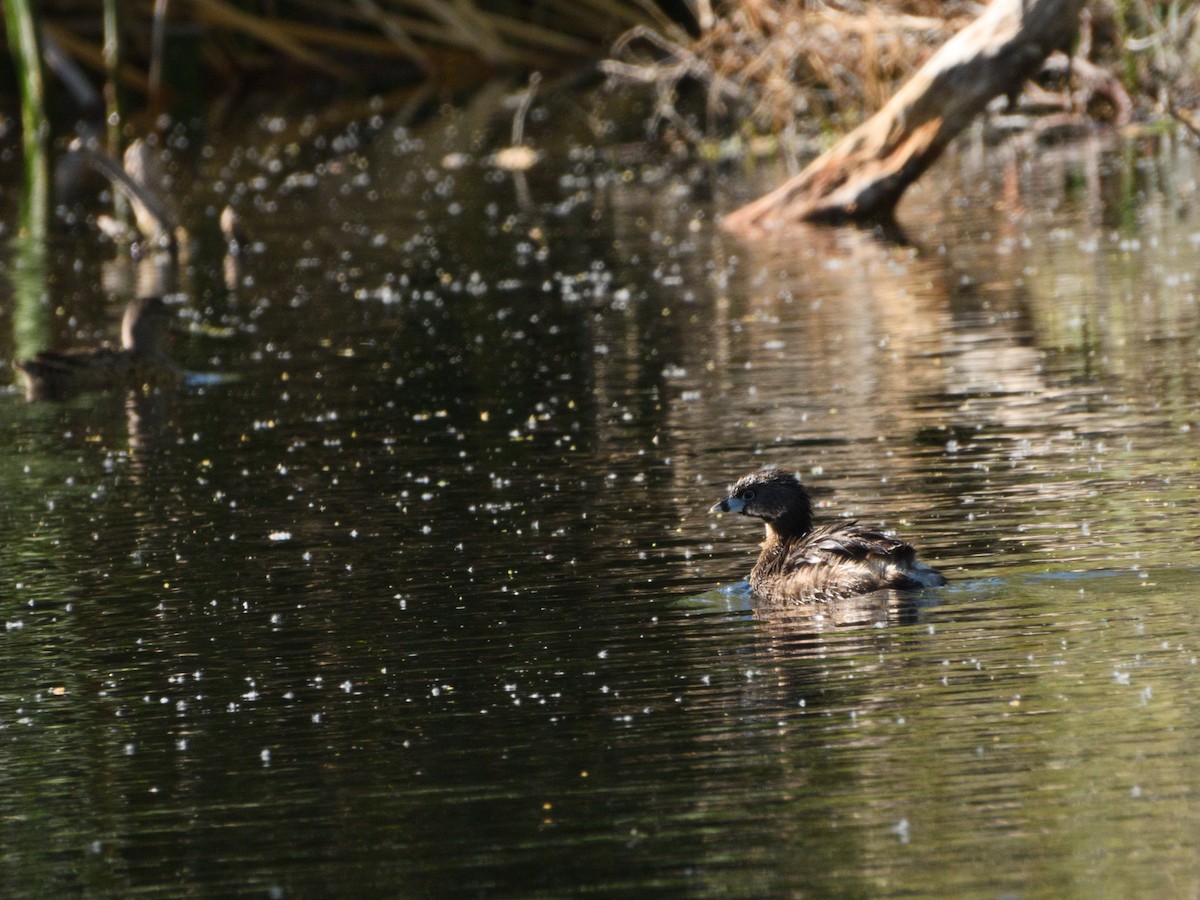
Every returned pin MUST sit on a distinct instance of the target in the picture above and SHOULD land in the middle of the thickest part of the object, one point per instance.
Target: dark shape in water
(802, 564)
(141, 360)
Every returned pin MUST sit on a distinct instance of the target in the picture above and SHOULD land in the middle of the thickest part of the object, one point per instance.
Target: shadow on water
(428, 594)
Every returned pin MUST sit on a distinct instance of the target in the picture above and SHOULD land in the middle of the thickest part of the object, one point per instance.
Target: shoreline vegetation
(715, 76)
(770, 63)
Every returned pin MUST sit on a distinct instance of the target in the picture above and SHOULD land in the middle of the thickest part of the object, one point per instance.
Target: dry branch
(863, 176)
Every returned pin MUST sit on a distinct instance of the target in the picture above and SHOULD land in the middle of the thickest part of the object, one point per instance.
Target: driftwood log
(863, 176)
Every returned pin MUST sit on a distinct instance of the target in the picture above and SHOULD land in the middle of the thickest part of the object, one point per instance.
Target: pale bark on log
(863, 176)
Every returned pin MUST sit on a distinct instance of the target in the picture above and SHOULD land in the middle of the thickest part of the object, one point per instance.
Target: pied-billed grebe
(141, 360)
(800, 563)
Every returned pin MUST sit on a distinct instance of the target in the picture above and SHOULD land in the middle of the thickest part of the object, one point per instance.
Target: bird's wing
(830, 544)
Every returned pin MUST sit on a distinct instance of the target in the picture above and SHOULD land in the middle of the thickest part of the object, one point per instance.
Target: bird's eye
(747, 495)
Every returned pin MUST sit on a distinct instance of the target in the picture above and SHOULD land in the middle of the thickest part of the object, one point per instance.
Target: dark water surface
(423, 599)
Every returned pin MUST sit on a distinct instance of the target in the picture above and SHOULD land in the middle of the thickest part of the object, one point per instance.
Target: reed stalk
(112, 95)
(158, 40)
(112, 75)
(21, 24)
(30, 315)
(29, 245)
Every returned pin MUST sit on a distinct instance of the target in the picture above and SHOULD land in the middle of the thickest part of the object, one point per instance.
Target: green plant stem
(112, 76)
(29, 245)
(21, 23)
(112, 96)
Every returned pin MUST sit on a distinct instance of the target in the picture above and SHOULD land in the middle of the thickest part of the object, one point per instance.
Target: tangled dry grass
(776, 63)
(793, 68)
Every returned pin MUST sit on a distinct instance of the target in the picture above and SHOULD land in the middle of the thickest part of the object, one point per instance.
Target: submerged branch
(864, 175)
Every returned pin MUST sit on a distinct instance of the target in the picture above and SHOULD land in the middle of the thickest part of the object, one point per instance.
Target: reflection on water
(426, 598)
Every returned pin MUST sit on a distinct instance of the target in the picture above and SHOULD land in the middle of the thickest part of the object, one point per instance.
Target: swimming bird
(141, 360)
(800, 563)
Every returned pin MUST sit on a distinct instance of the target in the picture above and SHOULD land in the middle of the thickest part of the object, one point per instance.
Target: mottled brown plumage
(801, 564)
(141, 359)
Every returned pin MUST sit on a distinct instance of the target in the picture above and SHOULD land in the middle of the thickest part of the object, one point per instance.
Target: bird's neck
(780, 536)
(790, 527)
(772, 555)
(778, 539)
